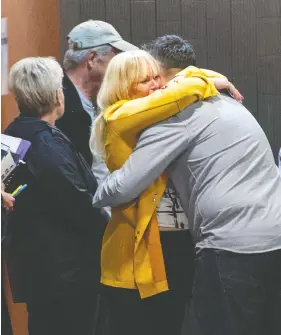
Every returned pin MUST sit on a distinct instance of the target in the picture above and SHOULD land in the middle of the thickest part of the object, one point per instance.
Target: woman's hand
(223, 83)
(220, 83)
(7, 198)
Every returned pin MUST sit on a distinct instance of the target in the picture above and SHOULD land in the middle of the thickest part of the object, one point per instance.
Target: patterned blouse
(170, 213)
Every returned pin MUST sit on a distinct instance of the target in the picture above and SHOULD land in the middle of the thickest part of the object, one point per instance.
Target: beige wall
(32, 31)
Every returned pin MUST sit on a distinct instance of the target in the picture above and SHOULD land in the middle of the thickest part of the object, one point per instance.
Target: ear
(91, 58)
(60, 98)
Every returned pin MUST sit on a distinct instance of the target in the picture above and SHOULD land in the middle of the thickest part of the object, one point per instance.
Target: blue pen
(20, 190)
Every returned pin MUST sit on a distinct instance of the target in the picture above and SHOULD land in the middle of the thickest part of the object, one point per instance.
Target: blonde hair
(34, 82)
(123, 72)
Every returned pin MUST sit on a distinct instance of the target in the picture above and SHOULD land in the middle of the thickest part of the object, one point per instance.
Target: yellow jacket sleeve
(193, 71)
(188, 86)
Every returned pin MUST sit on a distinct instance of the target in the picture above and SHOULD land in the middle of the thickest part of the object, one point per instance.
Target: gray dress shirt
(222, 167)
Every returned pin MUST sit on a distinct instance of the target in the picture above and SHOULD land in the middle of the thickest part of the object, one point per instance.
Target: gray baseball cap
(91, 34)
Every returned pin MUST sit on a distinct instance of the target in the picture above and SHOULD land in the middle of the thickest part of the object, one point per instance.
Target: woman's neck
(51, 118)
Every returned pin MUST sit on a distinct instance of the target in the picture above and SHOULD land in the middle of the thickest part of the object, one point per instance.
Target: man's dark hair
(171, 51)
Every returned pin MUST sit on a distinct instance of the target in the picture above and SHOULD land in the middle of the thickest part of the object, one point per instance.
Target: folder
(16, 145)
(13, 151)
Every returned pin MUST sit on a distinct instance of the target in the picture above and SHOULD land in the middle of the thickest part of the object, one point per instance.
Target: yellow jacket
(131, 250)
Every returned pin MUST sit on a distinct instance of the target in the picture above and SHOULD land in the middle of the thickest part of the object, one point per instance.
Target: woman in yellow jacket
(132, 261)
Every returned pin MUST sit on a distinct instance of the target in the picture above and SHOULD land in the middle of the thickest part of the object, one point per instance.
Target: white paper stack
(13, 150)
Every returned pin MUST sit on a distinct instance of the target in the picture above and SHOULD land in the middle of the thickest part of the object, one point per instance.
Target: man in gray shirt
(221, 165)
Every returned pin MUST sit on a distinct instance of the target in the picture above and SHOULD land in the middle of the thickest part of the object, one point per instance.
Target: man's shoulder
(219, 108)
(179, 120)
(167, 126)
(67, 83)
(72, 99)
(198, 116)
(73, 109)
(199, 113)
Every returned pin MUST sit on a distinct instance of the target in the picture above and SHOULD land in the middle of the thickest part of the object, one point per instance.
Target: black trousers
(163, 313)
(6, 326)
(238, 294)
(71, 316)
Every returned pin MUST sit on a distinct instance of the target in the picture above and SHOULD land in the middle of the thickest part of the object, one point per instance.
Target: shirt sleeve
(157, 147)
(188, 86)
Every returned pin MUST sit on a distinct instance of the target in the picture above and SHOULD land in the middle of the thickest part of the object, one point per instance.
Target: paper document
(16, 145)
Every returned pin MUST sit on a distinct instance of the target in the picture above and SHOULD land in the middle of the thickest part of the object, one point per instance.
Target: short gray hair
(34, 82)
(74, 57)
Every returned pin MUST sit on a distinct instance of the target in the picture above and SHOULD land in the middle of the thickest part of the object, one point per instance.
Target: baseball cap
(91, 34)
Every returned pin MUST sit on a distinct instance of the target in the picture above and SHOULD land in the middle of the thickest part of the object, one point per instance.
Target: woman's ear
(59, 103)
(60, 98)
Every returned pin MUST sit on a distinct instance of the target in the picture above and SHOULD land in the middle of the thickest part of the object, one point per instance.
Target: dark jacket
(54, 234)
(4, 220)
(76, 122)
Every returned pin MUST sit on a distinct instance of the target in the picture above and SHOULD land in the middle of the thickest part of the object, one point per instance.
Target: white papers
(7, 165)
(12, 142)
(13, 150)
(16, 145)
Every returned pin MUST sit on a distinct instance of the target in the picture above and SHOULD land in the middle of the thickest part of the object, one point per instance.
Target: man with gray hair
(91, 45)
